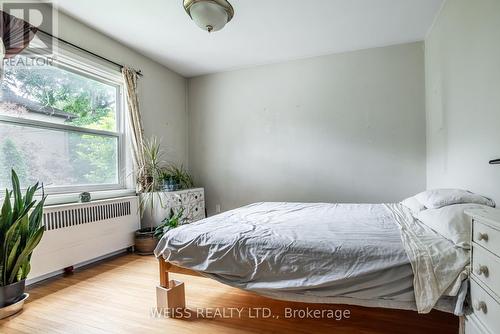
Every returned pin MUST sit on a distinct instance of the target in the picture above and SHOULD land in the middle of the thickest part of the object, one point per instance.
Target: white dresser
(192, 200)
(485, 273)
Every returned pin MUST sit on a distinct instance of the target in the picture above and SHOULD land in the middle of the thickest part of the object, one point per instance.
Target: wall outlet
(217, 208)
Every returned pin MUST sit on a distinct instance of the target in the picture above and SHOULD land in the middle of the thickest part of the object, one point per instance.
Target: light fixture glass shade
(208, 15)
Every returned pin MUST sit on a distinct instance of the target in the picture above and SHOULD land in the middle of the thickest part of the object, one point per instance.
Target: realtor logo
(27, 26)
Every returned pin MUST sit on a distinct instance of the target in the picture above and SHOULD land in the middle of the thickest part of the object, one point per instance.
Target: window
(61, 124)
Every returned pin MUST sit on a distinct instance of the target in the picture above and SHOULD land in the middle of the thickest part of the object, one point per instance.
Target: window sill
(55, 199)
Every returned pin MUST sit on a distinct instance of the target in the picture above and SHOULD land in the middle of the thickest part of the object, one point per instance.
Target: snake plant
(21, 230)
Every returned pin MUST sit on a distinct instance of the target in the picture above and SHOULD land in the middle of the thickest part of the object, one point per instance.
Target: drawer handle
(481, 306)
(480, 270)
(482, 236)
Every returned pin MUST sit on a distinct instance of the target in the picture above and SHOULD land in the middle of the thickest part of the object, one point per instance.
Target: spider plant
(21, 230)
(180, 175)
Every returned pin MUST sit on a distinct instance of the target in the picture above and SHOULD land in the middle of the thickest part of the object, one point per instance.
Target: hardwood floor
(118, 296)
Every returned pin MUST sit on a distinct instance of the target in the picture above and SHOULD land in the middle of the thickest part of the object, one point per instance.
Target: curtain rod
(87, 51)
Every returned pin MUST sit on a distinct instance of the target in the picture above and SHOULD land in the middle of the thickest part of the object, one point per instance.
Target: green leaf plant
(172, 221)
(21, 230)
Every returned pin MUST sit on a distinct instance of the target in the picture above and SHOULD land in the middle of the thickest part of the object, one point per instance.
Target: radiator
(77, 234)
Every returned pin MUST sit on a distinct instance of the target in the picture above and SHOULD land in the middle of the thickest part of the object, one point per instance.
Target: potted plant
(149, 179)
(177, 178)
(172, 221)
(169, 181)
(21, 230)
(154, 177)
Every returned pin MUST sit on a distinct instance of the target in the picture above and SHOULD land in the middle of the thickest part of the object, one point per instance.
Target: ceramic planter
(170, 185)
(11, 293)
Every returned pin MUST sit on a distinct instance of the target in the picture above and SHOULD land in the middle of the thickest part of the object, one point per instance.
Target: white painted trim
(55, 126)
(436, 18)
(73, 198)
(95, 202)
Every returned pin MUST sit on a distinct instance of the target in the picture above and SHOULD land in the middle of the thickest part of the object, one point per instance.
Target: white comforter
(372, 255)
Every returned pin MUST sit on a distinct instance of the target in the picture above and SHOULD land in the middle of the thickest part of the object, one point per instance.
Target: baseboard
(76, 266)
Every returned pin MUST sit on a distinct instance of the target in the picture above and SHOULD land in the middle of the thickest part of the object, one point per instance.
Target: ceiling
(262, 31)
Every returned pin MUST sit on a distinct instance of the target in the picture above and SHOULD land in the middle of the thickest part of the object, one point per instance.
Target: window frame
(83, 65)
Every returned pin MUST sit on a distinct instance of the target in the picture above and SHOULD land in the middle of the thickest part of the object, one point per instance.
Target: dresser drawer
(473, 326)
(485, 308)
(486, 236)
(171, 199)
(486, 268)
(196, 196)
(195, 211)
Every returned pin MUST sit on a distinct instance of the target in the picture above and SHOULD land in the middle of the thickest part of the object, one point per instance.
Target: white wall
(162, 92)
(463, 97)
(340, 128)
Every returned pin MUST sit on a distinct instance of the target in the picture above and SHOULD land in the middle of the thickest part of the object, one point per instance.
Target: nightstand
(485, 272)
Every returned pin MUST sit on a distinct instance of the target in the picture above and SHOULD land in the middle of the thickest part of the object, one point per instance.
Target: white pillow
(437, 198)
(451, 222)
(413, 204)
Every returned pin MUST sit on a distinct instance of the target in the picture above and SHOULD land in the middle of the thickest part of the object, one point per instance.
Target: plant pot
(11, 293)
(170, 185)
(7, 311)
(145, 241)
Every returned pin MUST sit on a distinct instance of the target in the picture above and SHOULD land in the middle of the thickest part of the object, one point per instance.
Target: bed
(375, 255)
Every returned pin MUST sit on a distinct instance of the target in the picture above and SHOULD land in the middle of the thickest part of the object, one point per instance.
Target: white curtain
(137, 137)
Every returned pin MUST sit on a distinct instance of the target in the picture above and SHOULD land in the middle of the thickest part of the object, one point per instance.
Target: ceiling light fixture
(210, 15)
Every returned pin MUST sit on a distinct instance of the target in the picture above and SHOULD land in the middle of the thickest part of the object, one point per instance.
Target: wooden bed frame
(170, 294)
(177, 299)
(166, 267)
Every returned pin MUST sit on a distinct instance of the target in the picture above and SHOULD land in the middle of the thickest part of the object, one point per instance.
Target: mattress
(362, 254)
